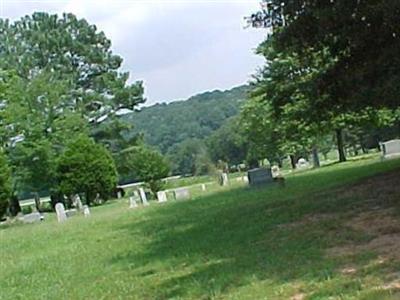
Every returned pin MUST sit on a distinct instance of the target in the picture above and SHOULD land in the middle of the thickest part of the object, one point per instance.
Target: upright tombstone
(119, 195)
(302, 163)
(182, 194)
(86, 210)
(225, 180)
(162, 196)
(276, 172)
(143, 196)
(259, 176)
(132, 202)
(78, 202)
(60, 211)
(246, 179)
(203, 187)
(391, 148)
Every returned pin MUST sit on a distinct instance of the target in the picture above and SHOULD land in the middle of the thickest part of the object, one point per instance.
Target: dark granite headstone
(259, 176)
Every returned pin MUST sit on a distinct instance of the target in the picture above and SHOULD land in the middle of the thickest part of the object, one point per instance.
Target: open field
(332, 233)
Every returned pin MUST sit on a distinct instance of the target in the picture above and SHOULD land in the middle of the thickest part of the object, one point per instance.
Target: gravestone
(60, 211)
(86, 210)
(246, 179)
(119, 195)
(225, 180)
(182, 194)
(32, 218)
(162, 196)
(276, 172)
(203, 187)
(132, 202)
(143, 196)
(391, 148)
(70, 212)
(259, 176)
(302, 163)
(78, 202)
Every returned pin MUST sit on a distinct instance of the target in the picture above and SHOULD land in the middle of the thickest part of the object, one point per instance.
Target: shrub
(149, 166)
(86, 167)
(5, 185)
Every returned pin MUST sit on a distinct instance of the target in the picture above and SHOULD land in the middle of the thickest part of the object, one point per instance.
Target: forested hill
(165, 125)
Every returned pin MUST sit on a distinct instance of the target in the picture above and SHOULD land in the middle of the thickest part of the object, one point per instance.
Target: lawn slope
(330, 233)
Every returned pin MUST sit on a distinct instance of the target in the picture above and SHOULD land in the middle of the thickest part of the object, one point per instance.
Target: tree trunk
(340, 145)
(316, 161)
(293, 161)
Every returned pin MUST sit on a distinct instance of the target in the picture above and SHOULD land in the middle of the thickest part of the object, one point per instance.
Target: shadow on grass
(218, 243)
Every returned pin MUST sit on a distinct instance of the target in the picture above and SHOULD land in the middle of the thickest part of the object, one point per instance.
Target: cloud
(177, 47)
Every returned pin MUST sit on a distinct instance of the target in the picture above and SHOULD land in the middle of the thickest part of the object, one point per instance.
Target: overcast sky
(178, 48)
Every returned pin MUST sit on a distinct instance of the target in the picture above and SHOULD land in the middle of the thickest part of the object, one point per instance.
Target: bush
(86, 167)
(5, 185)
(149, 166)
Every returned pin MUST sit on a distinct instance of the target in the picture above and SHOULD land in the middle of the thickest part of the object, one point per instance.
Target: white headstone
(143, 196)
(182, 193)
(132, 202)
(246, 178)
(203, 187)
(78, 202)
(60, 211)
(302, 163)
(119, 195)
(391, 148)
(162, 196)
(225, 180)
(276, 172)
(86, 210)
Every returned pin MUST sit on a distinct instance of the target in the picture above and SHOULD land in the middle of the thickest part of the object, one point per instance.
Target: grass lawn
(332, 233)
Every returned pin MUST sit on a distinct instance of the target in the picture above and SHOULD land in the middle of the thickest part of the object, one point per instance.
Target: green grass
(232, 243)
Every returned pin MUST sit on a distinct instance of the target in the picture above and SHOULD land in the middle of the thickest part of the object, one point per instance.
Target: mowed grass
(238, 243)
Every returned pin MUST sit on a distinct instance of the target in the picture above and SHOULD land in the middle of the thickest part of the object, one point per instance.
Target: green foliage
(166, 125)
(190, 157)
(5, 185)
(86, 167)
(148, 165)
(228, 143)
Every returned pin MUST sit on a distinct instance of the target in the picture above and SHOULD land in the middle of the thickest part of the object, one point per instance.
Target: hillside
(165, 125)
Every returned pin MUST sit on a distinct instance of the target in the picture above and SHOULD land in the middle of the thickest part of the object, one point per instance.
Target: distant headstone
(143, 196)
(70, 212)
(60, 211)
(259, 176)
(302, 163)
(162, 196)
(203, 187)
(32, 218)
(246, 179)
(132, 202)
(276, 172)
(391, 148)
(78, 202)
(225, 180)
(181, 194)
(119, 195)
(86, 210)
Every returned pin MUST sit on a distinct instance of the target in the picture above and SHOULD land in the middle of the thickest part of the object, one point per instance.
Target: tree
(86, 167)
(149, 166)
(190, 157)
(228, 143)
(5, 185)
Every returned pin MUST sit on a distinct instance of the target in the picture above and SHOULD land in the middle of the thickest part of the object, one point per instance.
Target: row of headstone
(63, 215)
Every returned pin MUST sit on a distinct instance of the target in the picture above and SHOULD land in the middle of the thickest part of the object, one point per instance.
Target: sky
(178, 48)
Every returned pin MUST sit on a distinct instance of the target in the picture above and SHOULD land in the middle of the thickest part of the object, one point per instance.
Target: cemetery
(156, 150)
